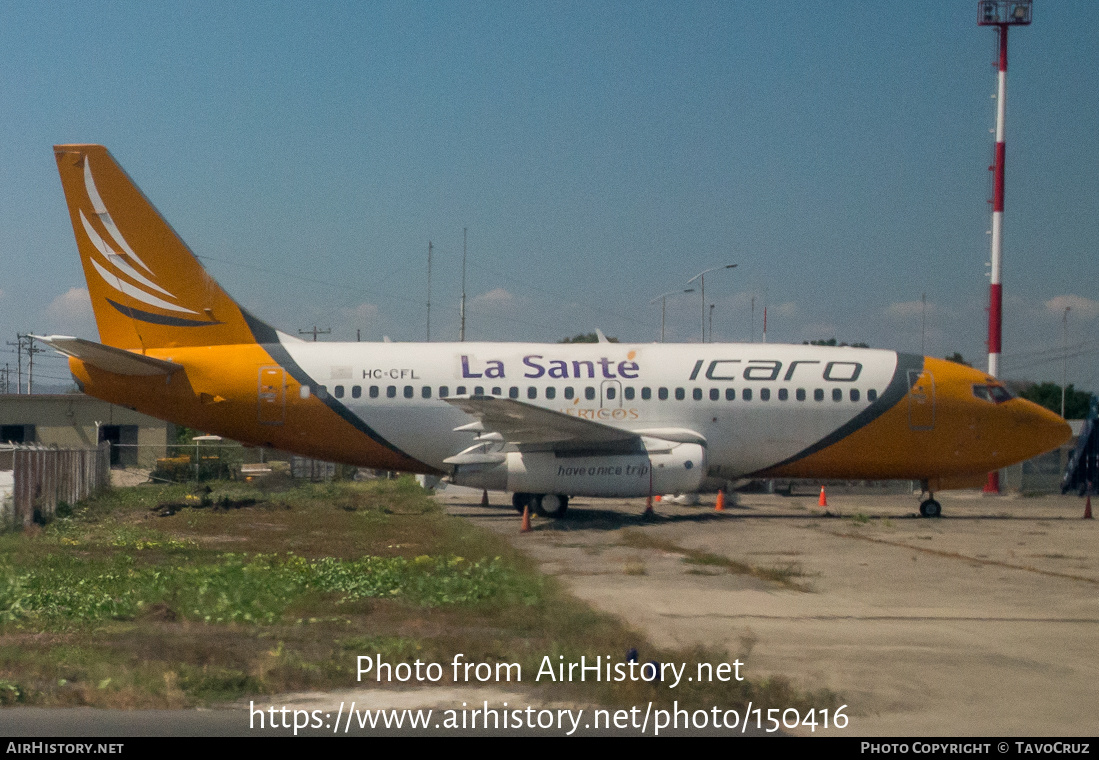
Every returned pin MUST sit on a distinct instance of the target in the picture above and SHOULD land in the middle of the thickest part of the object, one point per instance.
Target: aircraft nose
(1041, 429)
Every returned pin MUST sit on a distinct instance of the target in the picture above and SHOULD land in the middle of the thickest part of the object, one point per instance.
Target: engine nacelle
(671, 468)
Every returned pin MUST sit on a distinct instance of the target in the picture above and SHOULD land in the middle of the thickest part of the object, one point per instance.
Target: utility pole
(462, 308)
(19, 362)
(923, 324)
(663, 306)
(428, 291)
(31, 351)
(315, 332)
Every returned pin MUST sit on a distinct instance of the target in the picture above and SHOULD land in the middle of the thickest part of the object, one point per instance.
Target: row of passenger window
(629, 393)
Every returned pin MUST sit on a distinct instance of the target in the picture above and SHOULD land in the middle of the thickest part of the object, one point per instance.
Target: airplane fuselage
(778, 410)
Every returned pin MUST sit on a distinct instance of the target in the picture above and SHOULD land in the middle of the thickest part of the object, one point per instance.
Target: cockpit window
(997, 394)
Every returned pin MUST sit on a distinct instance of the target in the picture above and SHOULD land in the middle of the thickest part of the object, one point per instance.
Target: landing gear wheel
(551, 505)
(521, 501)
(931, 508)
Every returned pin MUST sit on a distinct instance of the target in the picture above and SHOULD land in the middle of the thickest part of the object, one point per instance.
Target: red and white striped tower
(995, 288)
(1001, 14)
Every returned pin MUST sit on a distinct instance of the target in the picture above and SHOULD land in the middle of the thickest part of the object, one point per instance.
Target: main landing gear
(929, 507)
(545, 504)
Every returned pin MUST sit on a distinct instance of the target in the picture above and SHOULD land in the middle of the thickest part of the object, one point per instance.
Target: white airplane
(544, 421)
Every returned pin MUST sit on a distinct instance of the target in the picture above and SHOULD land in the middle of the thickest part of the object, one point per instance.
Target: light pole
(701, 276)
(1064, 360)
(1001, 14)
(663, 302)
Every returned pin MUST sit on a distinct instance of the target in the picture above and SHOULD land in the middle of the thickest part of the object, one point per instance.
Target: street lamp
(1064, 359)
(701, 276)
(663, 301)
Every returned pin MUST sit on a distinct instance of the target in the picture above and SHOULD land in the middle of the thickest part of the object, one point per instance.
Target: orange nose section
(1039, 430)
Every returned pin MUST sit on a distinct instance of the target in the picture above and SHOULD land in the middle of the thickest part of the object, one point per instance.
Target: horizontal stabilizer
(107, 358)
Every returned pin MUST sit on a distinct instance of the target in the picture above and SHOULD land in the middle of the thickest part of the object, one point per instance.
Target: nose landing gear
(929, 507)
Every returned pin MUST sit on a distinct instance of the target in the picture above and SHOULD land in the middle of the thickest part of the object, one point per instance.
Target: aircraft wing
(524, 424)
(108, 358)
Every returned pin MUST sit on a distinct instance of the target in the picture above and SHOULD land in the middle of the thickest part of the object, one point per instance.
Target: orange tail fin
(147, 289)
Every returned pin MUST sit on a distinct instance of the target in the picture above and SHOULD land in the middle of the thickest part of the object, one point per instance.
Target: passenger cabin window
(800, 394)
(356, 391)
(551, 392)
(610, 392)
(460, 390)
(479, 390)
(662, 394)
(646, 393)
(374, 391)
(628, 392)
(697, 394)
(409, 391)
(569, 392)
(764, 394)
(338, 391)
(818, 394)
(680, 394)
(730, 394)
(837, 394)
(513, 391)
(871, 395)
(497, 390)
(715, 394)
(532, 392)
(854, 394)
(746, 394)
(443, 391)
(425, 392)
(391, 391)
(589, 393)
(783, 394)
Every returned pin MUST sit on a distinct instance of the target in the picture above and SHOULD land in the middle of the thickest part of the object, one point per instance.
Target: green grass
(171, 595)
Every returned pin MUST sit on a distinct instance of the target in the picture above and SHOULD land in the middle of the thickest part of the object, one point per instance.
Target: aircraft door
(271, 396)
(921, 400)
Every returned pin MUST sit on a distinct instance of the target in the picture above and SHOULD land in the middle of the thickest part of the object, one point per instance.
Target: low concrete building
(73, 420)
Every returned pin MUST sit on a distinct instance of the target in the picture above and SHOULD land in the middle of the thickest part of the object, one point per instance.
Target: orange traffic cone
(484, 498)
(823, 501)
(525, 528)
(720, 507)
(1087, 509)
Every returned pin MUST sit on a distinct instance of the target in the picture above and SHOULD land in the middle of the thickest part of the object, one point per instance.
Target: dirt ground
(982, 622)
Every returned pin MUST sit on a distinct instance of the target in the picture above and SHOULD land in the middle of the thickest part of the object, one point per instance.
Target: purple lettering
(625, 368)
(465, 368)
(539, 370)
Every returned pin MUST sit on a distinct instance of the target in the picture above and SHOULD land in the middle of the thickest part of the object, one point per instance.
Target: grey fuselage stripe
(268, 339)
(893, 394)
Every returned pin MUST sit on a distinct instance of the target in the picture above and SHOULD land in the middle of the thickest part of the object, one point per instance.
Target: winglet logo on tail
(147, 289)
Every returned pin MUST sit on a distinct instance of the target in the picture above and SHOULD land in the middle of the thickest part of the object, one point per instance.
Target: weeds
(241, 590)
(785, 575)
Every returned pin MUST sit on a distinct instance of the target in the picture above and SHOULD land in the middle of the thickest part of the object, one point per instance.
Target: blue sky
(599, 154)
